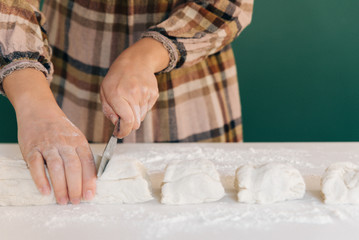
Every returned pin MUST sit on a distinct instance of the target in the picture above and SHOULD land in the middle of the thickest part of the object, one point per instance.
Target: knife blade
(108, 152)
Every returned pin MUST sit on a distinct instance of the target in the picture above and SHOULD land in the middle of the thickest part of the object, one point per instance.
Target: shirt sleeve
(197, 29)
(23, 39)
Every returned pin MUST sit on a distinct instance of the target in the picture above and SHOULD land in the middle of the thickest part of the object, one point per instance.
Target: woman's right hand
(130, 89)
(45, 135)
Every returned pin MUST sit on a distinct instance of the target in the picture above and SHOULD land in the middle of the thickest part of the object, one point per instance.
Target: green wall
(298, 67)
(7, 121)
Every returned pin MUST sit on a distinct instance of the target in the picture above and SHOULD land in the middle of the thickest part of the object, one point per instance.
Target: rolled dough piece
(124, 181)
(340, 183)
(17, 187)
(189, 182)
(268, 183)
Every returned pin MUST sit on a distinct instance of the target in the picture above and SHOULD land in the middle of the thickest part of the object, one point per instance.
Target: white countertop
(308, 218)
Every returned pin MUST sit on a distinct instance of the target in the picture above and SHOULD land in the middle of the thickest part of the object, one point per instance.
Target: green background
(298, 69)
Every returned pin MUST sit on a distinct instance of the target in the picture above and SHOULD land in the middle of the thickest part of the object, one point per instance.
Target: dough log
(124, 181)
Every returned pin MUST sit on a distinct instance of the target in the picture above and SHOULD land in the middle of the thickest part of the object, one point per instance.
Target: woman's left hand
(129, 89)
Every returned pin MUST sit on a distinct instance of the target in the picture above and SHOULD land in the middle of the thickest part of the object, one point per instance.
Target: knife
(108, 152)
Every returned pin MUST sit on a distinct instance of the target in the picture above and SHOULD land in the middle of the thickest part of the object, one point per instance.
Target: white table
(308, 218)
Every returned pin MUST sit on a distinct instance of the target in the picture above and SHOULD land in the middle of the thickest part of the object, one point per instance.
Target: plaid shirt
(198, 91)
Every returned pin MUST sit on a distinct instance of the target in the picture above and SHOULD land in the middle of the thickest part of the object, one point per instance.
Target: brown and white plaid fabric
(199, 98)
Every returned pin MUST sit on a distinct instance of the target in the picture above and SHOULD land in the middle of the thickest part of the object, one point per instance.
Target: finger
(152, 101)
(133, 97)
(124, 112)
(126, 115)
(88, 172)
(57, 174)
(36, 166)
(73, 173)
(144, 110)
(137, 111)
(108, 111)
(144, 105)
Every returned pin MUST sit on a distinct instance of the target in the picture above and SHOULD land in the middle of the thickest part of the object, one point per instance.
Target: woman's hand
(46, 135)
(53, 138)
(129, 89)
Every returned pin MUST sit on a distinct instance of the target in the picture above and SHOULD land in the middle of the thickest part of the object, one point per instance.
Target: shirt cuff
(168, 44)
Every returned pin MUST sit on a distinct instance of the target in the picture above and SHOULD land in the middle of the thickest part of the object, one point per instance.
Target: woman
(167, 64)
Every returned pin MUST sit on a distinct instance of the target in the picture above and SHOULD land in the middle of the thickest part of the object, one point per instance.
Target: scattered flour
(160, 221)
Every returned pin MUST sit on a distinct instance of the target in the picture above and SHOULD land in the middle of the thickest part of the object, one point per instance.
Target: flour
(152, 220)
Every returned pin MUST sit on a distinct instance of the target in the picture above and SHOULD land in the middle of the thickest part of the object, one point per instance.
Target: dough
(188, 182)
(124, 181)
(340, 183)
(268, 183)
(17, 186)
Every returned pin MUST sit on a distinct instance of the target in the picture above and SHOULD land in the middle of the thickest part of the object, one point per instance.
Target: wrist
(148, 52)
(39, 110)
(29, 93)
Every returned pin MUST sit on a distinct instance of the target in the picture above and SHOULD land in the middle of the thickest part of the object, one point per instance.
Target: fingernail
(88, 195)
(63, 201)
(75, 201)
(45, 190)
